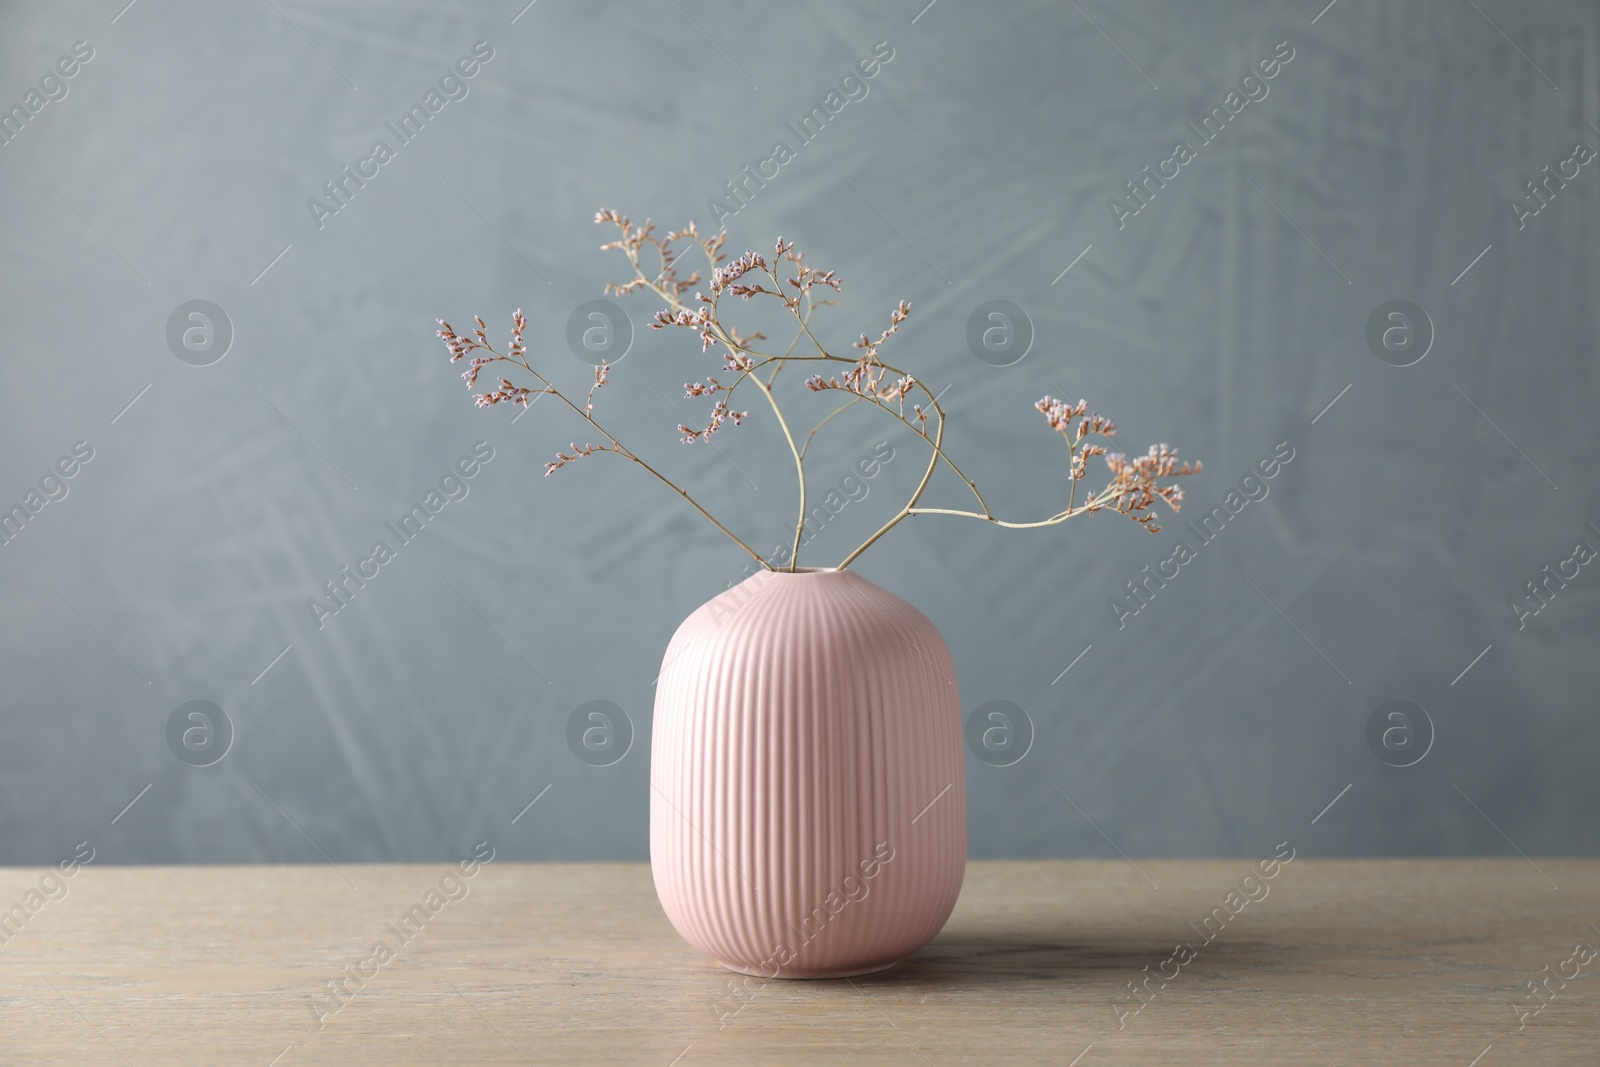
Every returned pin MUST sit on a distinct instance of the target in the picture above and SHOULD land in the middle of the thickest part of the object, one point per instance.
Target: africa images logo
(452, 86)
(1252, 488)
(342, 588)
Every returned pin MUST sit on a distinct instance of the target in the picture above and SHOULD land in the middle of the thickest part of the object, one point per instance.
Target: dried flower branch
(1132, 488)
(515, 353)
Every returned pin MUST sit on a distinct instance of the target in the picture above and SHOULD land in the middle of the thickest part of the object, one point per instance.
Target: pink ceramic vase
(808, 791)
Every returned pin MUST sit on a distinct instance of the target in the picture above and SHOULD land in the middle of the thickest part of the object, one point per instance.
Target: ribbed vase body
(808, 795)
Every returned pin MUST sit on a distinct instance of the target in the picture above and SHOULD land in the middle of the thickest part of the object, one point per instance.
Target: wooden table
(1342, 963)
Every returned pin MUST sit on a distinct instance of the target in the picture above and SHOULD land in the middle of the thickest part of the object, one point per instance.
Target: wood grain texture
(1342, 963)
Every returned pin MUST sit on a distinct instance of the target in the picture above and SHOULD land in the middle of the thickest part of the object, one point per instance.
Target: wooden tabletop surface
(1338, 963)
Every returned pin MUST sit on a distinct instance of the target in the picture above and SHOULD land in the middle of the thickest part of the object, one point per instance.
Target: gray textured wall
(1225, 316)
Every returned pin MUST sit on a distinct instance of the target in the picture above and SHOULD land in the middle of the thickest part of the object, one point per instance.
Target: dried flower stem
(615, 445)
(734, 348)
(739, 353)
(1132, 490)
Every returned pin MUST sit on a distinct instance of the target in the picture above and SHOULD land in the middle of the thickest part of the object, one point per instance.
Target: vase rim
(805, 571)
